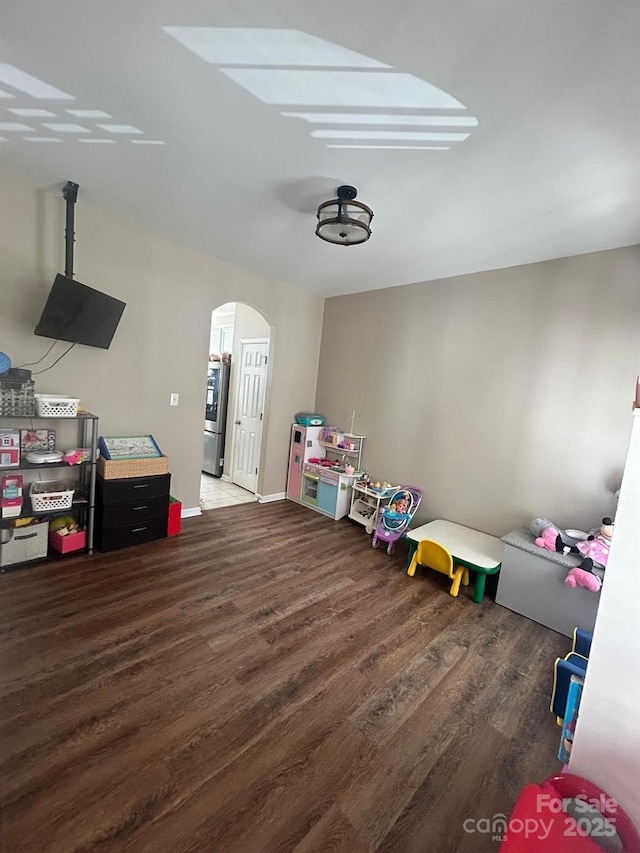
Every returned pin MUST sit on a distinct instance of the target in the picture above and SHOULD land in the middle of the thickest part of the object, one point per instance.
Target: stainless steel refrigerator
(215, 417)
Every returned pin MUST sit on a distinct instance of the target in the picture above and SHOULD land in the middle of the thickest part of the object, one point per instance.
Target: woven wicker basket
(119, 469)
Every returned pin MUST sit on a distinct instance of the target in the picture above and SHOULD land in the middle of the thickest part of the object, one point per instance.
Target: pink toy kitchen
(324, 463)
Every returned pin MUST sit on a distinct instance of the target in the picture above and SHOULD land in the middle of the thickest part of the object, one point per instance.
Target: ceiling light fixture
(344, 221)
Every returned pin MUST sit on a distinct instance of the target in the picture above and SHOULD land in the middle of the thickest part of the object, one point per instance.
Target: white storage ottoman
(531, 583)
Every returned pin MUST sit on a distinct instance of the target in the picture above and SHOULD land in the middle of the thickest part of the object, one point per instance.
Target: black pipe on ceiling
(70, 194)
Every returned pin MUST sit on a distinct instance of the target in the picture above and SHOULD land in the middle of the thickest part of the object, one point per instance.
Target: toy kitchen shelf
(351, 455)
(366, 503)
(323, 485)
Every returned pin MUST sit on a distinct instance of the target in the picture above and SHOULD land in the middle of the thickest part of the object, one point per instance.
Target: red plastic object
(69, 543)
(539, 825)
(175, 517)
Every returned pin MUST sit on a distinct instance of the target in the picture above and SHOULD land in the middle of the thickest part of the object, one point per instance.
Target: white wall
(503, 394)
(606, 746)
(162, 342)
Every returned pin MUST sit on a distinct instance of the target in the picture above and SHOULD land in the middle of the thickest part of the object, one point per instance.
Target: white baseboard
(190, 511)
(267, 499)
(226, 478)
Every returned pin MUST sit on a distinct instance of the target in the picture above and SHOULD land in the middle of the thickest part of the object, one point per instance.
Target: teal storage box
(309, 419)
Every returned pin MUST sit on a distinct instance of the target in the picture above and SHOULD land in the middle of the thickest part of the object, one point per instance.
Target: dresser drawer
(133, 513)
(112, 538)
(138, 489)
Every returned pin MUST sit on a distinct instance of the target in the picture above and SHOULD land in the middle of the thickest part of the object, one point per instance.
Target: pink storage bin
(67, 544)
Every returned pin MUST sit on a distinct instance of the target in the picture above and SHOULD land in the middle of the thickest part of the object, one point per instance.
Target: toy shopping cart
(394, 519)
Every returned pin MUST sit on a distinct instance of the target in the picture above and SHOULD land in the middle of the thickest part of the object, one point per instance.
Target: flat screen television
(79, 314)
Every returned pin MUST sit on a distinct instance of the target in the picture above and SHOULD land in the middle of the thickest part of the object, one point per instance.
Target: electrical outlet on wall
(175, 399)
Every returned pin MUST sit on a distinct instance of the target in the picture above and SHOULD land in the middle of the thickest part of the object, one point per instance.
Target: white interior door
(249, 413)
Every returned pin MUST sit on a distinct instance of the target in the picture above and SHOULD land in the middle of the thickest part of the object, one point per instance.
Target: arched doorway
(237, 401)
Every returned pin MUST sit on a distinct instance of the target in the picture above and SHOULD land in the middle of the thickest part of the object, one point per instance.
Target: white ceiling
(539, 158)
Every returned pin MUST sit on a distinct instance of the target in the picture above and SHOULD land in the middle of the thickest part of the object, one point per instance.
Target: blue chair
(575, 663)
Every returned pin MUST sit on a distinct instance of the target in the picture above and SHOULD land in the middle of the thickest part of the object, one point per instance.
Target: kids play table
(477, 551)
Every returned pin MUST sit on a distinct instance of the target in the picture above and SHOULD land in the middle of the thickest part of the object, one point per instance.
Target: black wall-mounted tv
(79, 314)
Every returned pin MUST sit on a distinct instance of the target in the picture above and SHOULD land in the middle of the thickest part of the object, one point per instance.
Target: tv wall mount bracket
(70, 194)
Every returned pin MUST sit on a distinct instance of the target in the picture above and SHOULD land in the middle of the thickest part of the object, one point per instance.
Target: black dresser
(131, 511)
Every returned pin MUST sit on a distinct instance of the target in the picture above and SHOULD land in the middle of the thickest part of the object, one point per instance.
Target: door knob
(237, 423)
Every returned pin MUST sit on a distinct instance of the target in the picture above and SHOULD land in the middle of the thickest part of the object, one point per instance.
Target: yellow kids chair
(435, 556)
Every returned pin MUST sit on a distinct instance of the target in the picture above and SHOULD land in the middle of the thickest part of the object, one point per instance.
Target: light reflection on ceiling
(394, 147)
(27, 85)
(381, 89)
(31, 112)
(23, 82)
(291, 68)
(381, 118)
(88, 113)
(390, 134)
(14, 126)
(120, 128)
(65, 127)
(258, 46)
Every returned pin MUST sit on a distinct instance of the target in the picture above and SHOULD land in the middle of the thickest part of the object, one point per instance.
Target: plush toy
(596, 548)
(540, 527)
(547, 538)
(59, 523)
(583, 578)
(75, 457)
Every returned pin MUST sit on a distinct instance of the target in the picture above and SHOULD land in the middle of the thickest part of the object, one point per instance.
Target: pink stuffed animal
(587, 580)
(597, 548)
(75, 457)
(547, 538)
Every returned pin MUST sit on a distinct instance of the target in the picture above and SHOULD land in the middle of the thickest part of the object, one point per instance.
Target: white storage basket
(51, 406)
(51, 496)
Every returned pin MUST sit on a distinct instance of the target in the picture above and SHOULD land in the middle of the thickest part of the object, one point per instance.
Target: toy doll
(595, 549)
(401, 506)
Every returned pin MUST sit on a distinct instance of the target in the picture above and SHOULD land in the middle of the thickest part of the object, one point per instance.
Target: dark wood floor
(264, 682)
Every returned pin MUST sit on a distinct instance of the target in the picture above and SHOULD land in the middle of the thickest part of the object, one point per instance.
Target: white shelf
(355, 514)
(363, 505)
(372, 493)
(337, 449)
(320, 469)
(361, 519)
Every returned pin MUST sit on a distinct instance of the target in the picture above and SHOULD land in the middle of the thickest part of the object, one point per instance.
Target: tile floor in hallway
(215, 492)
